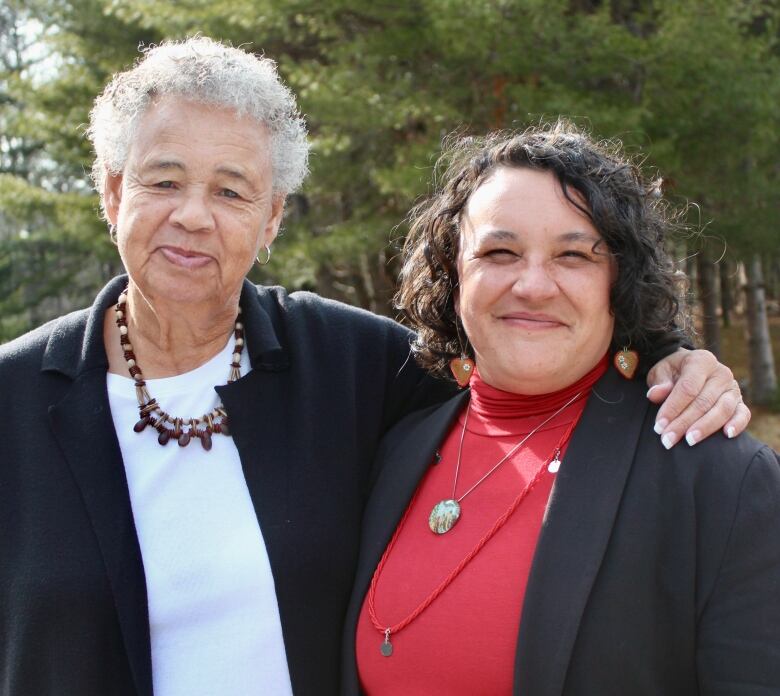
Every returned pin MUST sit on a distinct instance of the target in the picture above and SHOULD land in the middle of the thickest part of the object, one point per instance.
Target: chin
(186, 287)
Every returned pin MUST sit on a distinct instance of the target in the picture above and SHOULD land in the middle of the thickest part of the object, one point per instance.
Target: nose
(192, 211)
(535, 282)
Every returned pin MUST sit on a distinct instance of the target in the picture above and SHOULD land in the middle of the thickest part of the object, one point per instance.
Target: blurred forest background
(694, 85)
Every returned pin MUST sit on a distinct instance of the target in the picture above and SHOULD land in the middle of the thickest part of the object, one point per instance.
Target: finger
(683, 396)
(724, 409)
(702, 378)
(666, 371)
(739, 421)
(658, 392)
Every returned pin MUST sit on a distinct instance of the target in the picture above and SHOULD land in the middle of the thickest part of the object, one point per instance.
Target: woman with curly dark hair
(533, 535)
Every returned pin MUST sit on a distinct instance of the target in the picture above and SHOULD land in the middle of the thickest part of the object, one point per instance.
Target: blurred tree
(692, 83)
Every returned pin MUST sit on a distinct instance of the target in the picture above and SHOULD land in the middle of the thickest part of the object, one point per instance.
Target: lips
(532, 320)
(185, 258)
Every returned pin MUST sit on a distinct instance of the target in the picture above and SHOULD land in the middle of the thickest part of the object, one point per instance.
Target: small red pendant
(626, 362)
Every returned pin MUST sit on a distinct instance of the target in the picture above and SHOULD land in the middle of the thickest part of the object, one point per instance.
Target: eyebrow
(234, 174)
(164, 164)
(167, 164)
(572, 236)
(579, 236)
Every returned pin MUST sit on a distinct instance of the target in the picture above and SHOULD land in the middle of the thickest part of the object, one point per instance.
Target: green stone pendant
(444, 516)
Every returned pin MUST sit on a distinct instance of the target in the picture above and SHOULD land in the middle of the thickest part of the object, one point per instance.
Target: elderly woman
(531, 536)
(183, 465)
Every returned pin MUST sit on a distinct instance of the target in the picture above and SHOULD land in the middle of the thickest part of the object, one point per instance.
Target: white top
(213, 614)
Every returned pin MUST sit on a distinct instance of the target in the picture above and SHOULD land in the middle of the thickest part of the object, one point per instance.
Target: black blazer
(655, 572)
(327, 380)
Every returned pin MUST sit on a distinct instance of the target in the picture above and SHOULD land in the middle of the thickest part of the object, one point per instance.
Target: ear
(112, 196)
(274, 221)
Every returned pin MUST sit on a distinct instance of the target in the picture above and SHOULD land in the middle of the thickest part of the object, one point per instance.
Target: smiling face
(194, 202)
(534, 283)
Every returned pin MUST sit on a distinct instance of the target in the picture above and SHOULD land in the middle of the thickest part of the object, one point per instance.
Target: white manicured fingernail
(660, 425)
(731, 432)
(692, 437)
(668, 440)
(663, 385)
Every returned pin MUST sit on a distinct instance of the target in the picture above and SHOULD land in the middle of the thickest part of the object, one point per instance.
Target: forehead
(518, 199)
(184, 127)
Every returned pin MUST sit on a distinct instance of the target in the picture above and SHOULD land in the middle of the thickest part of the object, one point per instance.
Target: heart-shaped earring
(462, 368)
(626, 361)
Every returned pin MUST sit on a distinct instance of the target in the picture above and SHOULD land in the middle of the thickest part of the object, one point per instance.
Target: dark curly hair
(627, 210)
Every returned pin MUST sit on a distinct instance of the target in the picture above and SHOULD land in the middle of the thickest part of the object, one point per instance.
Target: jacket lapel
(405, 456)
(575, 532)
(82, 424)
(84, 429)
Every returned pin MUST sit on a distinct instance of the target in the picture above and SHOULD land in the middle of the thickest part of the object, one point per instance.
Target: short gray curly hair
(207, 71)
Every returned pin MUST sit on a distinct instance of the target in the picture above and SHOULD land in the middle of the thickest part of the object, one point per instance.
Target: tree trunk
(708, 300)
(727, 274)
(763, 378)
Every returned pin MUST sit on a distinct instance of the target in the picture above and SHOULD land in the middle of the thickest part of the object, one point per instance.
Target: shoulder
(431, 422)
(27, 350)
(327, 319)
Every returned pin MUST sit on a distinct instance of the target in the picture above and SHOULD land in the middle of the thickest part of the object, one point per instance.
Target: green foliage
(692, 83)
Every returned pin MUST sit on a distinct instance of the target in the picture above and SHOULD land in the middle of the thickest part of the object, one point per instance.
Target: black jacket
(327, 381)
(656, 573)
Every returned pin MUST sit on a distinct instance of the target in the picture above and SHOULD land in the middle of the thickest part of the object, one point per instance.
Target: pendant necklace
(386, 646)
(446, 513)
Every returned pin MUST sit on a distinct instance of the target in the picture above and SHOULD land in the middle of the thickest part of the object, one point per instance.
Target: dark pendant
(444, 516)
(184, 439)
(205, 440)
(141, 424)
(164, 436)
(223, 427)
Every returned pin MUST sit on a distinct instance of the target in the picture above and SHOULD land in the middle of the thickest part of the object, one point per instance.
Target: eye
(164, 184)
(499, 252)
(229, 193)
(500, 255)
(575, 255)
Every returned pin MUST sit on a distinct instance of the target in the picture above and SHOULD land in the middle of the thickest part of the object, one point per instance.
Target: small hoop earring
(112, 233)
(267, 258)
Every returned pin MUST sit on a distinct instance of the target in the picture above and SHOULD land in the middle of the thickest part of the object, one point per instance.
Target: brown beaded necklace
(181, 429)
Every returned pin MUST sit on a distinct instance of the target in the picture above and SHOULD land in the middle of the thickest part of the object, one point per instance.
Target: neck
(168, 338)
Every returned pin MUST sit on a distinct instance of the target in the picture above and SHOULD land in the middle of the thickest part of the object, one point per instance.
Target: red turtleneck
(464, 642)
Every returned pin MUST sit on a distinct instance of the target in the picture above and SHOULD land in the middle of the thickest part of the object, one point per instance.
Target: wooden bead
(141, 424)
(165, 434)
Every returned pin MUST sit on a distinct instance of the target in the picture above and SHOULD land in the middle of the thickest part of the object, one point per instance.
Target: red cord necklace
(386, 646)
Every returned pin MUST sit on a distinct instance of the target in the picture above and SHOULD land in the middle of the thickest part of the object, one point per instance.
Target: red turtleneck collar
(490, 403)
